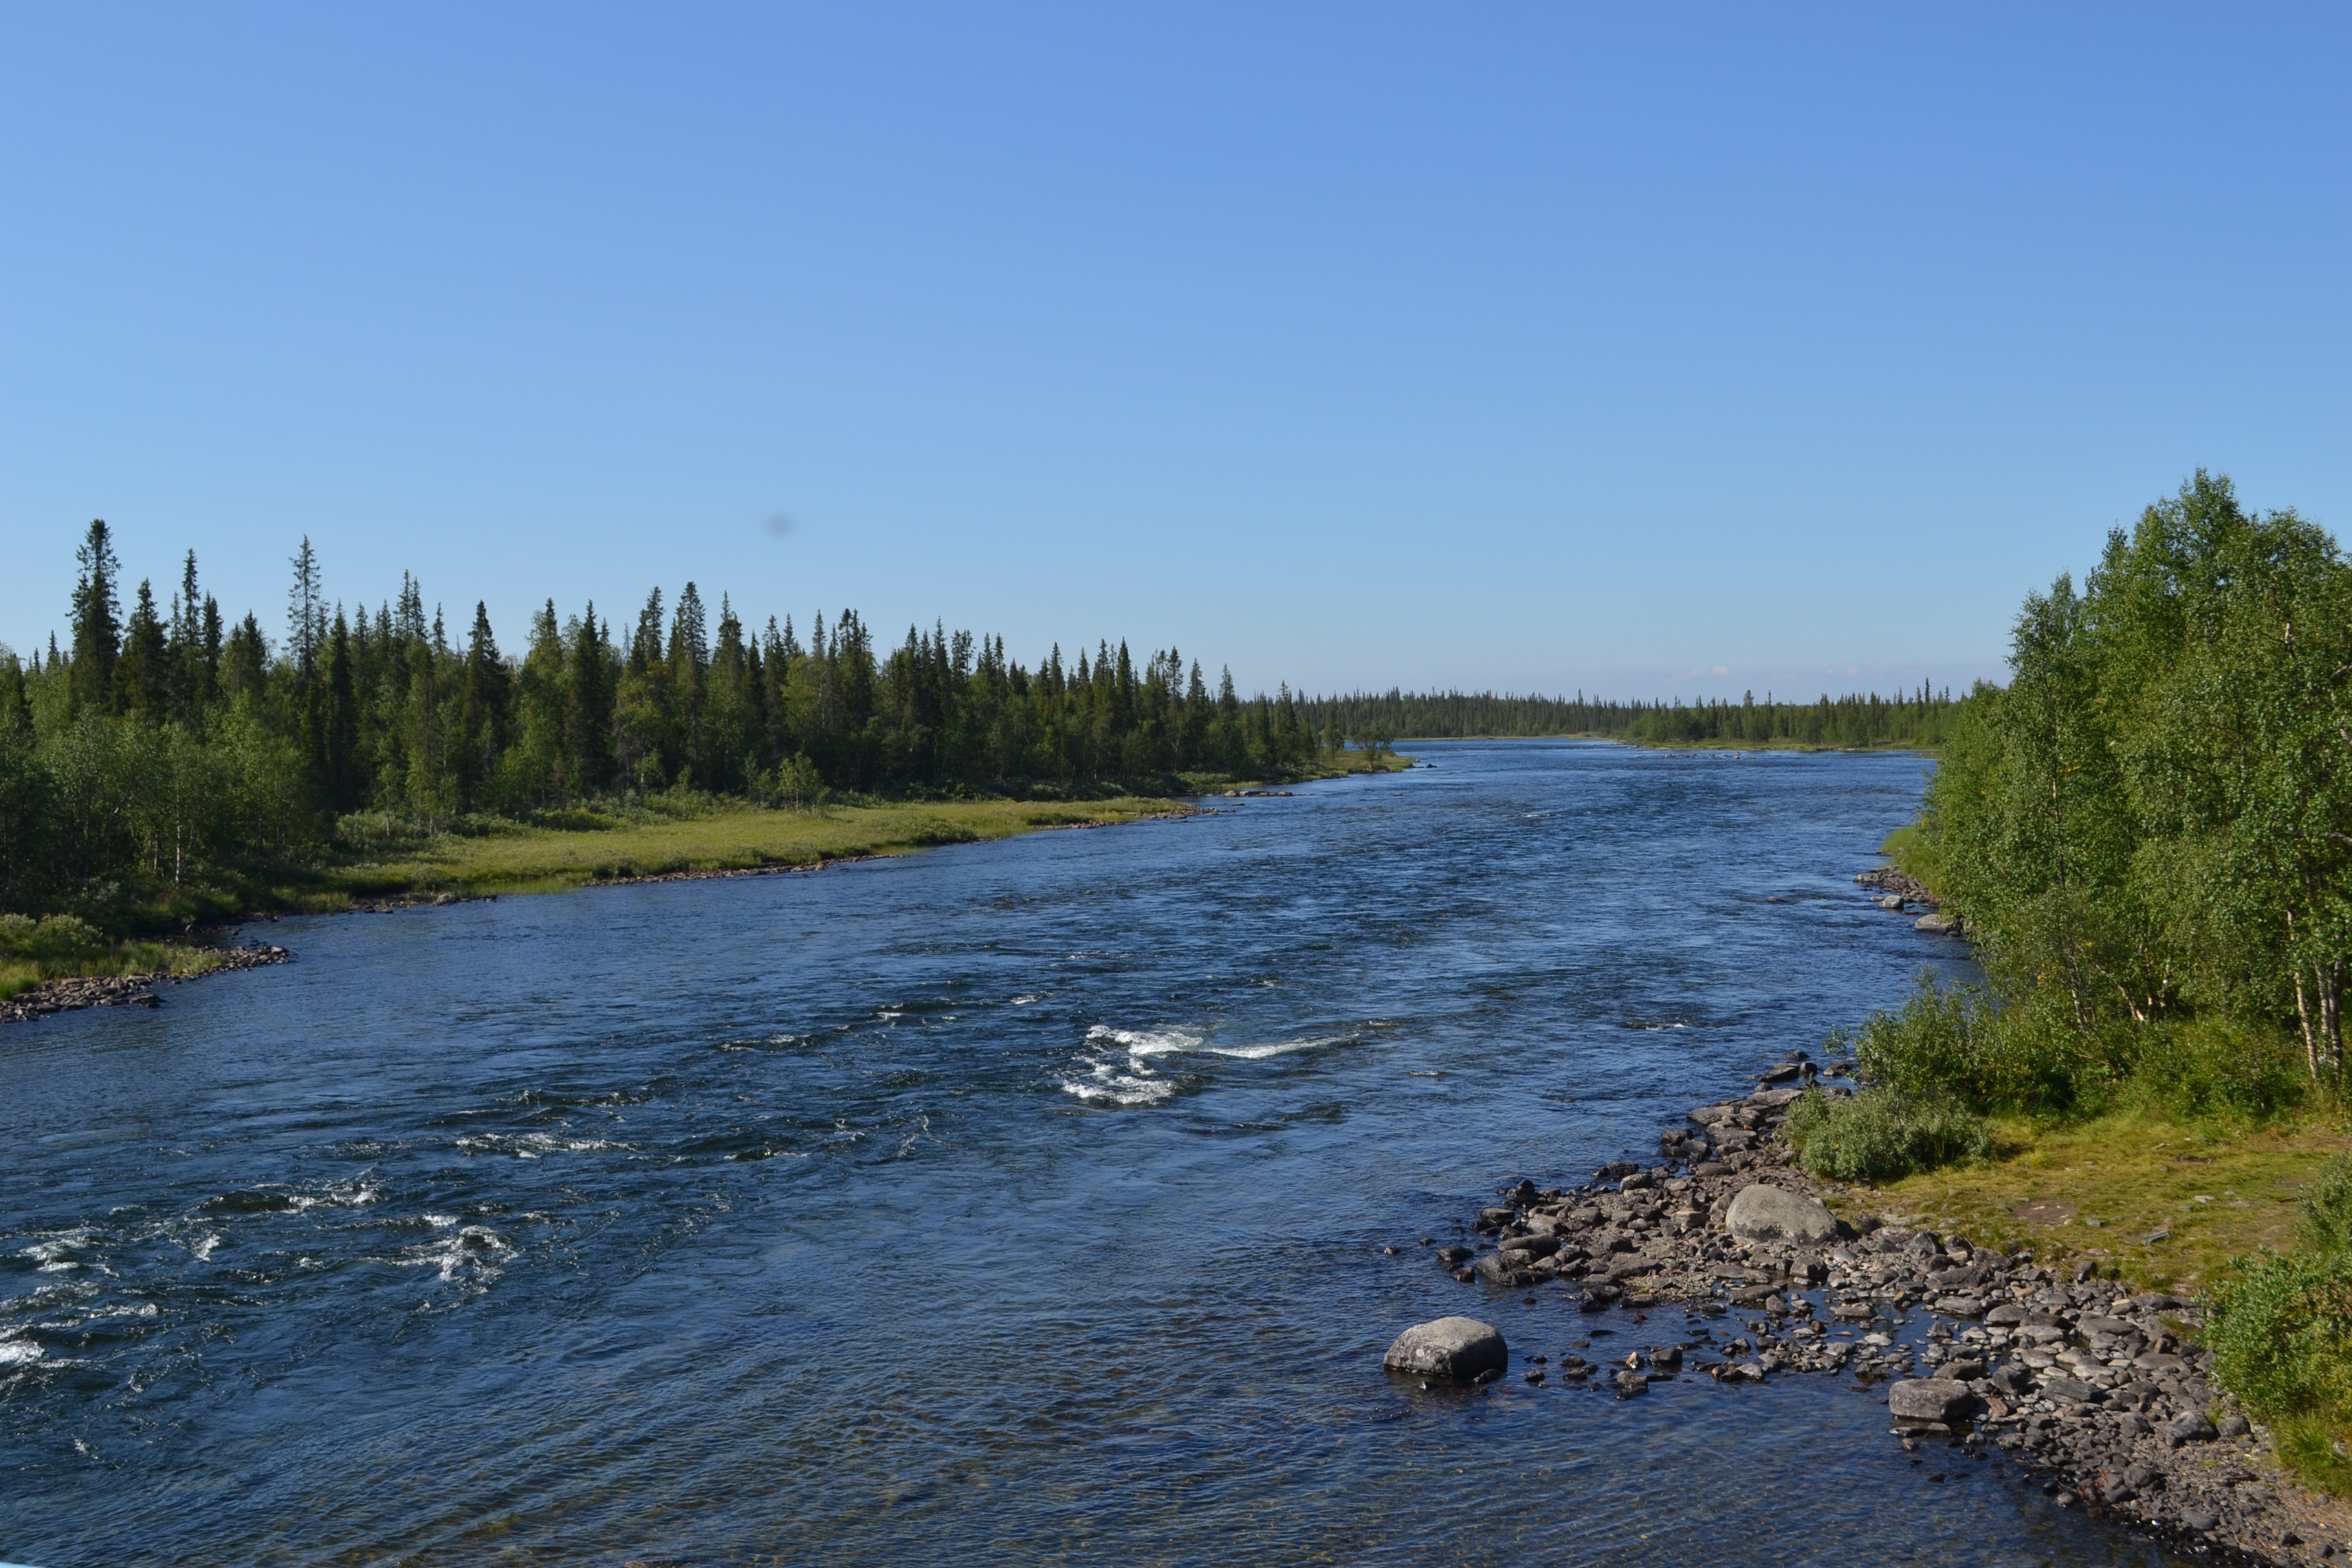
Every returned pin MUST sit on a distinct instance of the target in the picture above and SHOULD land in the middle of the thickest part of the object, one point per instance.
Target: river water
(1011, 1202)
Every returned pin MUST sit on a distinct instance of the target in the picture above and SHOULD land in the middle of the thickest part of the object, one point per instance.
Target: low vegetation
(60, 945)
(389, 858)
(1882, 1134)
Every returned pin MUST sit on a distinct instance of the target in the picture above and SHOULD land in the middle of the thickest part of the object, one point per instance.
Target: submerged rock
(1763, 1213)
(1448, 1347)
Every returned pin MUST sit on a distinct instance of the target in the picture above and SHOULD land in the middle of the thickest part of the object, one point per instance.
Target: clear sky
(1643, 348)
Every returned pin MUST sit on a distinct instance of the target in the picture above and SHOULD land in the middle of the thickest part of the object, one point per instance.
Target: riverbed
(1022, 1202)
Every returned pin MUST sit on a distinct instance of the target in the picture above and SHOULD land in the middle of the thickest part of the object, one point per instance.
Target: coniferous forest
(171, 749)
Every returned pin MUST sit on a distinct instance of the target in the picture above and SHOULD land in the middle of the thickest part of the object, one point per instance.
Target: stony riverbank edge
(77, 991)
(2100, 1391)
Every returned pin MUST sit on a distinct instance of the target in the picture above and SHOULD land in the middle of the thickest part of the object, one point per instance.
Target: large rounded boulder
(1449, 1347)
(1763, 1213)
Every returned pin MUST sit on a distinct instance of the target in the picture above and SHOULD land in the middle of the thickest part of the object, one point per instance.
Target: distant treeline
(1921, 718)
(169, 751)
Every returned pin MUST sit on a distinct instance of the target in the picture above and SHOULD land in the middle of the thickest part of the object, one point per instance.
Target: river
(1011, 1202)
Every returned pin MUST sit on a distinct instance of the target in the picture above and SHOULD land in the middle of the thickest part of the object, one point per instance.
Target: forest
(2148, 835)
(1855, 722)
(152, 768)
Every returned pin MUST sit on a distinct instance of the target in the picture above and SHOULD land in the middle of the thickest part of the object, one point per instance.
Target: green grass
(513, 857)
(2137, 1172)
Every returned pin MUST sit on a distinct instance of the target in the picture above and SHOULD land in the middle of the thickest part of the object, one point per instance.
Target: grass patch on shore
(2136, 1172)
(512, 857)
(62, 948)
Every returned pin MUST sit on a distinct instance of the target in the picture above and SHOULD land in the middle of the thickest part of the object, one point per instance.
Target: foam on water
(1276, 1048)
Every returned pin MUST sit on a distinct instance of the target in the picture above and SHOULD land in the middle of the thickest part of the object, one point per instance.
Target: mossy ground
(2219, 1191)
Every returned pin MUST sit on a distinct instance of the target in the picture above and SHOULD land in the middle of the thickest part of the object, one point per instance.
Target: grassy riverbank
(2163, 1203)
(62, 948)
(587, 847)
(667, 836)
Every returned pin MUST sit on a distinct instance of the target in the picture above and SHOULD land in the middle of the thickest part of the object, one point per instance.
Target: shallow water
(1020, 1202)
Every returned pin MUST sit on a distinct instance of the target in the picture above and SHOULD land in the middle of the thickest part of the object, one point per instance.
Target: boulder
(1763, 1213)
(1929, 1399)
(1508, 1270)
(2190, 1428)
(1960, 1306)
(2068, 1390)
(1448, 1347)
(1961, 1370)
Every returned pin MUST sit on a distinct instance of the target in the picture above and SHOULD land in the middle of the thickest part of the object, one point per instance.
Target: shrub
(2212, 1065)
(1954, 1040)
(57, 937)
(2326, 1228)
(2280, 1334)
(1883, 1133)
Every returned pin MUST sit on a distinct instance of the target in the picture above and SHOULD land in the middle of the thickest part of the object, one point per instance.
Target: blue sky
(1640, 349)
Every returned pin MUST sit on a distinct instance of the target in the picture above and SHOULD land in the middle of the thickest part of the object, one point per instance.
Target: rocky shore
(1901, 892)
(2099, 1392)
(126, 991)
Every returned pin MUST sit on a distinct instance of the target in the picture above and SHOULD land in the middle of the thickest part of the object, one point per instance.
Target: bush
(2217, 1066)
(1883, 1133)
(2280, 1334)
(1954, 1040)
(57, 937)
(2326, 1229)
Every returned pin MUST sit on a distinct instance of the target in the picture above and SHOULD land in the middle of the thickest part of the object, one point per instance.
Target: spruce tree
(588, 710)
(340, 732)
(482, 720)
(143, 673)
(97, 625)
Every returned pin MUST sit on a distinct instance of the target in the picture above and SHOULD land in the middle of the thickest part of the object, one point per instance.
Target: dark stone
(1507, 1269)
(1929, 1399)
(2190, 1428)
